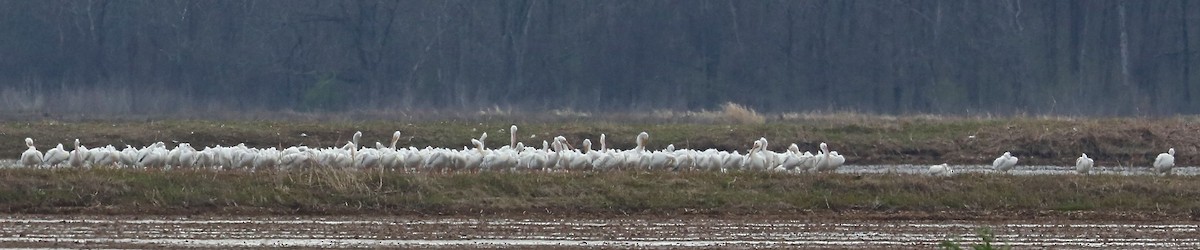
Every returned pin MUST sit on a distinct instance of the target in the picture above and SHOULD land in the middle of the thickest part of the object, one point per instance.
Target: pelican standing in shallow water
(31, 157)
(1083, 165)
(1164, 162)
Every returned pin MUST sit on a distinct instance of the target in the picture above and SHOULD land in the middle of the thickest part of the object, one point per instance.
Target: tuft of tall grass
(736, 113)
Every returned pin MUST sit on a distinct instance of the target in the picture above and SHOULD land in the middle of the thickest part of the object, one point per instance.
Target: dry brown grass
(738, 114)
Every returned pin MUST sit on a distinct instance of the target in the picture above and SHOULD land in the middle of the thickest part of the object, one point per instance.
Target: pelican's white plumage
(56, 156)
(78, 156)
(1083, 164)
(1164, 162)
(1005, 162)
(828, 160)
(755, 160)
(31, 157)
(941, 170)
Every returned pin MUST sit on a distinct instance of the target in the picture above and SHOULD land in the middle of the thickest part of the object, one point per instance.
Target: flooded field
(263, 232)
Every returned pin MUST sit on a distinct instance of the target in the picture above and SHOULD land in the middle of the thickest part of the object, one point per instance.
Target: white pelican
(661, 160)
(1083, 165)
(685, 159)
(633, 158)
(173, 156)
(301, 159)
(1004, 162)
(941, 170)
(128, 156)
(709, 159)
(31, 157)
(395, 138)
(154, 156)
(106, 156)
(512, 136)
(603, 145)
(356, 137)
(266, 159)
(474, 158)
(187, 155)
(367, 158)
(606, 159)
(78, 156)
(772, 159)
(836, 160)
(1164, 162)
(389, 157)
(731, 161)
(755, 159)
(56, 156)
(531, 160)
(791, 159)
(828, 160)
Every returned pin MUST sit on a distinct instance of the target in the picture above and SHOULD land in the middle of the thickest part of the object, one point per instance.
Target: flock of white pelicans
(557, 155)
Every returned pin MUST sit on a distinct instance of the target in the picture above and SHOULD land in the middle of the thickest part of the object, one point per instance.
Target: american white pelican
(755, 160)
(791, 159)
(264, 159)
(603, 145)
(533, 160)
(474, 157)
(661, 160)
(941, 170)
(106, 156)
(633, 158)
(685, 159)
(56, 156)
(299, 159)
(587, 150)
(129, 155)
(31, 157)
(357, 136)
(78, 156)
(187, 155)
(828, 160)
(836, 160)
(1005, 162)
(731, 161)
(395, 138)
(1164, 162)
(154, 156)
(1083, 165)
(512, 136)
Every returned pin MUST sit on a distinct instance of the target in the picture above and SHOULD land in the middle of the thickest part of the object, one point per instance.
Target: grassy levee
(862, 139)
(117, 191)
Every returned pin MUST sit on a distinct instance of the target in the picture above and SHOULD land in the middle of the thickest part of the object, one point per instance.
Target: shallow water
(223, 232)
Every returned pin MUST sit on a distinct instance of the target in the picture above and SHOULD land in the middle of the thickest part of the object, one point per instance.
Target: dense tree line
(893, 57)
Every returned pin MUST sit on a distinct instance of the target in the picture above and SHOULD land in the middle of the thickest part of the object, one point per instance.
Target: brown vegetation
(360, 192)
